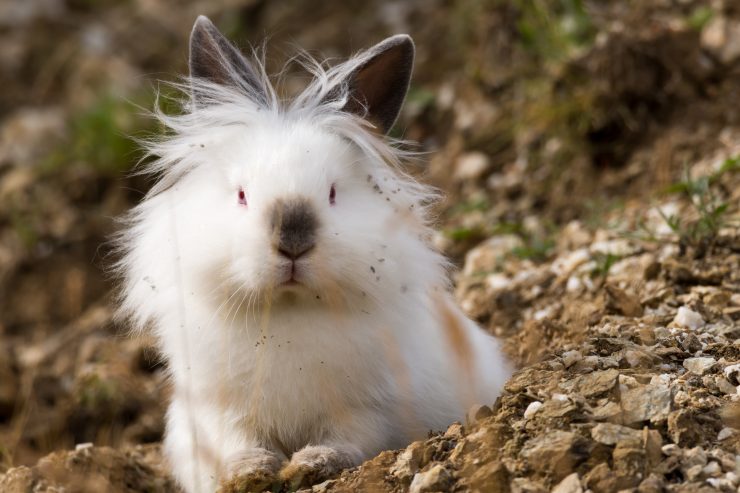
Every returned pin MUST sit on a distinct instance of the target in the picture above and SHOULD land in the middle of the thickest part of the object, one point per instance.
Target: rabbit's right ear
(214, 59)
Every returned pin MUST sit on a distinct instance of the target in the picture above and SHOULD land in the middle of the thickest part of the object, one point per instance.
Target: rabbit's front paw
(250, 470)
(313, 464)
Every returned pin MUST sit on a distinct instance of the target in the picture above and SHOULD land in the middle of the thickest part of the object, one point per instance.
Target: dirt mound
(90, 469)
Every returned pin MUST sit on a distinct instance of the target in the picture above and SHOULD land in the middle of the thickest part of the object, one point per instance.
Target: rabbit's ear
(380, 80)
(213, 58)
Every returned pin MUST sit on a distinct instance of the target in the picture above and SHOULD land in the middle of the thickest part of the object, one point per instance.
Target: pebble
(571, 357)
(569, 484)
(532, 409)
(435, 479)
(699, 366)
(610, 434)
(477, 413)
(407, 463)
(471, 165)
(725, 433)
(687, 317)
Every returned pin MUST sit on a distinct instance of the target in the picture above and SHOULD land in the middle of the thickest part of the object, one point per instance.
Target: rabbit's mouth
(291, 274)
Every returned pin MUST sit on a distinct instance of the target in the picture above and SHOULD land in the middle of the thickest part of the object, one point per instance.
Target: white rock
(712, 469)
(498, 282)
(435, 479)
(725, 433)
(485, 256)
(565, 264)
(722, 37)
(619, 247)
(731, 372)
(699, 366)
(572, 357)
(471, 165)
(407, 463)
(532, 409)
(687, 317)
(569, 484)
(610, 434)
(574, 284)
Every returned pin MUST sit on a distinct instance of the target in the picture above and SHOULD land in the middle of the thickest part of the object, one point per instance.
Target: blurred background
(535, 114)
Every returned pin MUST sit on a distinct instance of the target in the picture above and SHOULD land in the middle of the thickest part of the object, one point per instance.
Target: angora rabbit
(283, 262)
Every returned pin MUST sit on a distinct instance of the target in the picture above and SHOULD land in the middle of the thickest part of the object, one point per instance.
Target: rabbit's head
(297, 199)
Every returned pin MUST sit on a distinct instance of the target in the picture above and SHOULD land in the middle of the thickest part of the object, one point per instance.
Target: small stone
(435, 479)
(699, 366)
(598, 382)
(693, 473)
(725, 433)
(646, 402)
(323, 487)
(408, 461)
(717, 299)
(731, 373)
(686, 317)
(477, 413)
(724, 385)
(646, 335)
(610, 434)
(532, 409)
(571, 357)
(638, 359)
(671, 449)
(652, 484)
(471, 165)
(622, 302)
(712, 470)
(691, 343)
(556, 452)
(570, 484)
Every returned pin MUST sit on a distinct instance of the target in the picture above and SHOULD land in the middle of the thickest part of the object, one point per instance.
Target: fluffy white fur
(368, 353)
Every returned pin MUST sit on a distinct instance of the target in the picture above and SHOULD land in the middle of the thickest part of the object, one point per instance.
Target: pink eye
(332, 195)
(242, 197)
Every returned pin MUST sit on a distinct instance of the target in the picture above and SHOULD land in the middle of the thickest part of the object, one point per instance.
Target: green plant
(709, 210)
(554, 29)
(604, 263)
(700, 17)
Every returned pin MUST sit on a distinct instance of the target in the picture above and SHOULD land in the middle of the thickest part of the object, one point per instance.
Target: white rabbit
(283, 262)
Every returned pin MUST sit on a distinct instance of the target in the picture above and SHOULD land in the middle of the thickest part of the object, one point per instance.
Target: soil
(590, 162)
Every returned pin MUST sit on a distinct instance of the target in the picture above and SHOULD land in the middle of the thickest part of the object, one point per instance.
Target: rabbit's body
(285, 267)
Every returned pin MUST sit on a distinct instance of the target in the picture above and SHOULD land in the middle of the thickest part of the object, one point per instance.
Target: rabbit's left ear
(213, 58)
(379, 82)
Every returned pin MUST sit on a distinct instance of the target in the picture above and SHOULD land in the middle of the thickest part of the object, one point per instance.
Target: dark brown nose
(294, 225)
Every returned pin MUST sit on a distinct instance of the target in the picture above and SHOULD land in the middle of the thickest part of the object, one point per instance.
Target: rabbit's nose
(294, 224)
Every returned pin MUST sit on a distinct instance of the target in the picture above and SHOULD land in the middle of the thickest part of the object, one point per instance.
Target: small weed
(465, 234)
(553, 30)
(709, 210)
(536, 249)
(100, 136)
(700, 17)
(604, 263)
(97, 393)
(478, 204)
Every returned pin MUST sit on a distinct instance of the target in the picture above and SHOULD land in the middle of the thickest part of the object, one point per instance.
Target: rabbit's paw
(250, 470)
(313, 464)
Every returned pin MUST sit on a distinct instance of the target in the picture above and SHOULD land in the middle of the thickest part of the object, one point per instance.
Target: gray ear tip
(400, 40)
(202, 23)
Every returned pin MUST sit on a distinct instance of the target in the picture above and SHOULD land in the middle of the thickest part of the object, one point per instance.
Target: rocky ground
(590, 156)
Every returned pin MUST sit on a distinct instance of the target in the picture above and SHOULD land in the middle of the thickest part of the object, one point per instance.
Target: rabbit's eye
(332, 195)
(242, 197)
